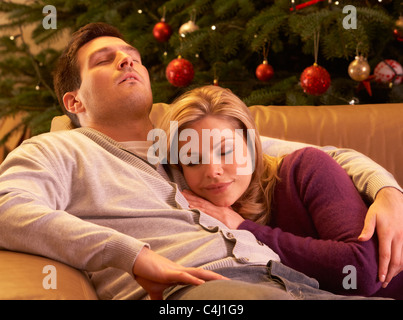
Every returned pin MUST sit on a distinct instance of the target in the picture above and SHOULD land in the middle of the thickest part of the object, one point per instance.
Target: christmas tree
(258, 49)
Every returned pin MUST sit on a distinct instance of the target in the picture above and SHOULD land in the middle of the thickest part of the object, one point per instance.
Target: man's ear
(72, 103)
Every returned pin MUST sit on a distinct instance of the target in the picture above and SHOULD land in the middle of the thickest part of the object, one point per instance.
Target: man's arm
(34, 219)
(368, 176)
(386, 215)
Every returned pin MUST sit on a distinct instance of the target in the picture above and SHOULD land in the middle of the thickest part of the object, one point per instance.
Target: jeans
(272, 282)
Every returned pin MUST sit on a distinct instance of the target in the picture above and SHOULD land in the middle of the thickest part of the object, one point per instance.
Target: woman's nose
(214, 170)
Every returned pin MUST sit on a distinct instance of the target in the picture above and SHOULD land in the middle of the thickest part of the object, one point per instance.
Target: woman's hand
(224, 214)
(156, 273)
(386, 214)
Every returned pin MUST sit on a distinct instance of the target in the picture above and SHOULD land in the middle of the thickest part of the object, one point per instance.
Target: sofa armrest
(29, 277)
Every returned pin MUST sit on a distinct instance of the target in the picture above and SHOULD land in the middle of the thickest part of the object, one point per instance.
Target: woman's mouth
(218, 187)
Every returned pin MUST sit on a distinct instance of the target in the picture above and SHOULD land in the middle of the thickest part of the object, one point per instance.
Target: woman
(303, 206)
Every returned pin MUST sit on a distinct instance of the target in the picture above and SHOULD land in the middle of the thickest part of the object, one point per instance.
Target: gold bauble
(359, 69)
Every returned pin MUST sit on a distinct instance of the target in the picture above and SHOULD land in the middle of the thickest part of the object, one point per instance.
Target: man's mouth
(129, 77)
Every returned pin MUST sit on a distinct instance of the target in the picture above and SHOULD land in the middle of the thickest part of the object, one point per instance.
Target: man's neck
(134, 131)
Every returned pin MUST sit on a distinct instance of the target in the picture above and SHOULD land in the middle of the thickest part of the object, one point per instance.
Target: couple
(89, 198)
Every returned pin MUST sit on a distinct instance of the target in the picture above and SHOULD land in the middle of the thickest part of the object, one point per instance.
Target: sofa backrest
(375, 130)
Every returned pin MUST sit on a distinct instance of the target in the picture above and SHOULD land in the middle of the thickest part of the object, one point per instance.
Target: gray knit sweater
(77, 197)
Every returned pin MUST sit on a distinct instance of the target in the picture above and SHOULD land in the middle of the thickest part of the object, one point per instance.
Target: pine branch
(36, 67)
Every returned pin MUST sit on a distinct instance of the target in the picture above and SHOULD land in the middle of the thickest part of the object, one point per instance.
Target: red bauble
(398, 35)
(398, 31)
(315, 80)
(264, 72)
(180, 72)
(162, 31)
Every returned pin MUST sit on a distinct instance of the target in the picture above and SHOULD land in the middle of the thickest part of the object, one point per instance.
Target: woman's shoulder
(309, 161)
(308, 155)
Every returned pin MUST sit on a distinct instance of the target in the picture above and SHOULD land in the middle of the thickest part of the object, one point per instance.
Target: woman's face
(215, 160)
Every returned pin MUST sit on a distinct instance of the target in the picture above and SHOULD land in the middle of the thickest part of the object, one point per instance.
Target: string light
(354, 101)
(13, 37)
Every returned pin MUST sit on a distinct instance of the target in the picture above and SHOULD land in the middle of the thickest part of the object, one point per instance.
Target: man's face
(115, 85)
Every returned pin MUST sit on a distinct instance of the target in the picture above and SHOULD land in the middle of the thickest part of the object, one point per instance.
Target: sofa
(374, 130)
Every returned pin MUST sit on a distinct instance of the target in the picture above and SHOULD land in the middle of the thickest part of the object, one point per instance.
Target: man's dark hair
(67, 77)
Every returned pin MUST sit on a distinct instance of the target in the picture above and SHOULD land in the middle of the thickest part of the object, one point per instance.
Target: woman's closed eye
(227, 150)
(190, 160)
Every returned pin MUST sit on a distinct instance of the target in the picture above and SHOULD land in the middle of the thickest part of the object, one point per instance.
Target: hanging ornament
(398, 31)
(162, 31)
(188, 27)
(179, 72)
(264, 72)
(315, 80)
(389, 71)
(359, 69)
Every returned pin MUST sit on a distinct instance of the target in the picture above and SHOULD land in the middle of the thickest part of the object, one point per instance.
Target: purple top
(317, 217)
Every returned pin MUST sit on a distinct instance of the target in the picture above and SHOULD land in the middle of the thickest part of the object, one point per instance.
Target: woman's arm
(374, 183)
(318, 216)
(368, 176)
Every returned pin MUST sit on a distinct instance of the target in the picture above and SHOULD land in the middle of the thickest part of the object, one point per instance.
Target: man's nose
(125, 60)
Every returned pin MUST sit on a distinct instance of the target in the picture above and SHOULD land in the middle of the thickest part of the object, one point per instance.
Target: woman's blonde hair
(192, 106)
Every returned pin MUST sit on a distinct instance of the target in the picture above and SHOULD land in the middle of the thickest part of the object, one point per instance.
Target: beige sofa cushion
(22, 276)
(374, 130)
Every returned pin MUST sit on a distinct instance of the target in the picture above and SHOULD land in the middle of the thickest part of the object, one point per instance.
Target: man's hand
(156, 273)
(386, 214)
(224, 214)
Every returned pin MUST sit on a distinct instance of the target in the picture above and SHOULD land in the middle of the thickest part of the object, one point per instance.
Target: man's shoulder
(57, 137)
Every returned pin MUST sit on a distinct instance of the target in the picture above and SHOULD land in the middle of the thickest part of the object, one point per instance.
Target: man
(88, 197)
